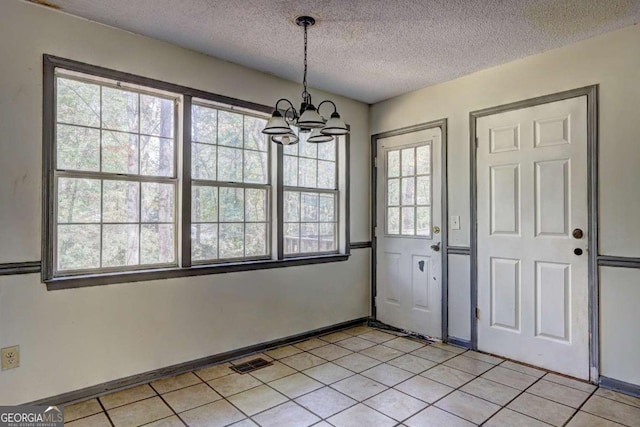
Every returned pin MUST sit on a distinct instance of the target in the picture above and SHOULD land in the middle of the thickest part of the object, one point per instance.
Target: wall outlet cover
(10, 357)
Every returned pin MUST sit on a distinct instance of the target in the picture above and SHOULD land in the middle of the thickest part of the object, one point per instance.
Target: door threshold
(405, 333)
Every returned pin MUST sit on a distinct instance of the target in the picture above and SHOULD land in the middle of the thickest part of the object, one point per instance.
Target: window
(148, 180)
(409, 191)
(310, 197)
(115, 177)
(230, 177)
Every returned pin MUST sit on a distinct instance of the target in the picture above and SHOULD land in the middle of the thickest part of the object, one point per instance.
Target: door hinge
(477, 313)
(477, 143)
(375, 162)
(375, 231)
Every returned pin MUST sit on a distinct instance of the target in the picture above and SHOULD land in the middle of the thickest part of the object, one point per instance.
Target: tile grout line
(541, 397)
(580, 407)
(393, 387)
(617, 401)
(354, 374)
(387, 388)
(105, 412)
(454, 389)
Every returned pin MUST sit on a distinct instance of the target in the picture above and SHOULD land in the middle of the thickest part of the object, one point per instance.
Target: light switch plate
(455, 222)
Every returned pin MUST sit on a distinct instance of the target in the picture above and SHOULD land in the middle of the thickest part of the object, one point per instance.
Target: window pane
(77, 102)
(327, 150)
(291, 238)
(307, 149)
(120, 201)
(156, 156)
(204, 124)
(423, 222)
(423, 159)
(157, 202)
(291, 171)
(231, 205)
(309, 207)
(77, 148)
(408, 191)
(307, 173)
(309, 238)
(393, 220)
(203, 161)
(393, 163)
(255, 239)
(327, 208)
(204, 204)
(120, 245)
(255, 205)
(157, 244)
(424, 190)
(408, 162)
(79, 200)
(156, 116)
(326, 174)
(291, 206)
(408, 221)
(119, 110)
(204, 242)
(78, 247)
(231, 240)
(254, 139)
(256, 167)
(393, 192)
(328, 236)
(230, 129)
(119, 152)
(229, 164)
(291, 150)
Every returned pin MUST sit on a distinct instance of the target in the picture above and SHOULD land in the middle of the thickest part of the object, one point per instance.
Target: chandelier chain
(305, 94)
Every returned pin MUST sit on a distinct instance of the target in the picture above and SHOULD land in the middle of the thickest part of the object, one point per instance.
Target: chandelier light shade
(335, 126)
(289, 138)
(276, 125)
(317, 137)
(307, 118)
(310, 119)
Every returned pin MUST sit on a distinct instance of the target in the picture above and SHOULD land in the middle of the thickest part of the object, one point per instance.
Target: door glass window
(408, 191)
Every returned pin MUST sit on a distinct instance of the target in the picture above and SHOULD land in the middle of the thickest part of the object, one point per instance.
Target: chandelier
(307, 118)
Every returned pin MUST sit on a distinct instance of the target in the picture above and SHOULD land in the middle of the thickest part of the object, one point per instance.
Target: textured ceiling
(368, 50)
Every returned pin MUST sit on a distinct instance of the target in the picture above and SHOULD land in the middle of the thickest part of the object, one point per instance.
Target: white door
(408, 236)
(532, 194)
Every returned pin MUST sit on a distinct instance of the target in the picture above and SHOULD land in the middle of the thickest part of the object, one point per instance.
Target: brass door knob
(577, 233)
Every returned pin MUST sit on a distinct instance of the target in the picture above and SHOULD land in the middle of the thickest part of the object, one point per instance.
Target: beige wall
(76, 338)
(613, 62)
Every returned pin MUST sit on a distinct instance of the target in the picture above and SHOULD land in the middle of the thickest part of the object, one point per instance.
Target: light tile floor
(363, 377)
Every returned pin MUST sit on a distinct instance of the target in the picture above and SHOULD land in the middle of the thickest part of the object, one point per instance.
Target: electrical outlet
(10, 357)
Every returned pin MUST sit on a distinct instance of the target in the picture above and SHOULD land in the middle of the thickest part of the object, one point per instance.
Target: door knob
(436, 247)
(577, 233)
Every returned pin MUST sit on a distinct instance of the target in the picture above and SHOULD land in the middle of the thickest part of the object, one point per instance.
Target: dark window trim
(173, 273)
(50, 63)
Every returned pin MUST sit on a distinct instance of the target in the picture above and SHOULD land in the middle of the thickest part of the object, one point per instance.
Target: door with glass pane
(409, 291)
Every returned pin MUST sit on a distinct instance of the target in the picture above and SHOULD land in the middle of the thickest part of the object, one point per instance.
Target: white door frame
(442, 124)
(591, 92)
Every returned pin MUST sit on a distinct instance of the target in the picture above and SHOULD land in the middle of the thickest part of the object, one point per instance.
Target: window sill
(71, 282)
